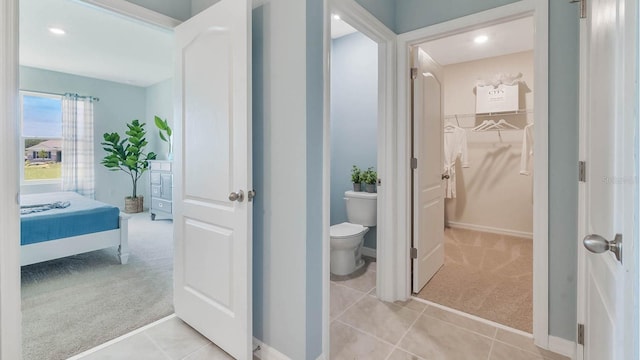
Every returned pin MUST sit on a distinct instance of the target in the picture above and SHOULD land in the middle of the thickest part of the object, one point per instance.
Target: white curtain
(77, 145)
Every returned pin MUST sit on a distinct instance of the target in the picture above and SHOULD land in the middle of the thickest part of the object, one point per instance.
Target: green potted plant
(356, 178)
(127, 154)
(370, 177)
(164, 130)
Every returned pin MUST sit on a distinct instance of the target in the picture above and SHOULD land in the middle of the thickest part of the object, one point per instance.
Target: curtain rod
(92, 98)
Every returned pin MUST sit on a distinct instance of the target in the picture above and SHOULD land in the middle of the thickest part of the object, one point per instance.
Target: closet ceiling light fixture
(481, 39)
(336, 17)
(57, 31)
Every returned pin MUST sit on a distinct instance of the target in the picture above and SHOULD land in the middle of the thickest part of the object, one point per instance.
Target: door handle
(597, 245)
(236, 196)
(445, 177)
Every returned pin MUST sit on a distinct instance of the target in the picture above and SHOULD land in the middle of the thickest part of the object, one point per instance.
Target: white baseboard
(562, 346)
(321, 357)
(489, 229)
(370, 252)
(266, 352)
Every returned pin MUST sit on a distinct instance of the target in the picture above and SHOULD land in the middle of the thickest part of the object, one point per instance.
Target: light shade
(57, 31)
(481, 39)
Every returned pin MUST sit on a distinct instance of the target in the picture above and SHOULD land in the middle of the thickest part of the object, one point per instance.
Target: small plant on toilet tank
(369, 177)
(356, 178)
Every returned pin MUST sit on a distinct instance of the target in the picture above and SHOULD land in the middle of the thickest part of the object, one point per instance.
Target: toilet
(347, 238)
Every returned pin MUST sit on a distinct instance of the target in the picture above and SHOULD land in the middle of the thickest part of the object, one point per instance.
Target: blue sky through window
(41, 117)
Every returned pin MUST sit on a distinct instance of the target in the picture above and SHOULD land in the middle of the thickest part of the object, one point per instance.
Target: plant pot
(357, 187)
(370, 188)
(133, 205)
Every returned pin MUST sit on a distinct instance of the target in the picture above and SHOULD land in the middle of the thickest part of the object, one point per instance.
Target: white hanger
(485, 124)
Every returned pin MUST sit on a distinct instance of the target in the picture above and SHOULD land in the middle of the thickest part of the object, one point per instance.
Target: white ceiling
(506, 38)
(97, 43)
(340, 28)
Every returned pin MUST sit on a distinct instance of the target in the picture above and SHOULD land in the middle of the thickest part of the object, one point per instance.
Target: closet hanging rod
(93, 98)
(507, 113)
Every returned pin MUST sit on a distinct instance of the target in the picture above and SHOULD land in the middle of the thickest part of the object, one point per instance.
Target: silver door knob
(597, 244)
(237, 196)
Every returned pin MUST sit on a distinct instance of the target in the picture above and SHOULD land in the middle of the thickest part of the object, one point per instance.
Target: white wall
(491, 192)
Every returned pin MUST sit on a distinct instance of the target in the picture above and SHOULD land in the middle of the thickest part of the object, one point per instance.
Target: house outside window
(41, 137)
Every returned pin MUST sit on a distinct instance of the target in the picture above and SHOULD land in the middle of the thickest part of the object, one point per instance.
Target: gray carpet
(73, 304)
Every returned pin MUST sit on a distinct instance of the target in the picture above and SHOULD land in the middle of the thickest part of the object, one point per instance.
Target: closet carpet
(487, 275)
(73, 304)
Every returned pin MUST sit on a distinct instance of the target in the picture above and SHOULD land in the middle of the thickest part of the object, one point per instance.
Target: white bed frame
(55, 249)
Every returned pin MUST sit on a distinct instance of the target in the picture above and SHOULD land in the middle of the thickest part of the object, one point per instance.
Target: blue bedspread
(83, 216)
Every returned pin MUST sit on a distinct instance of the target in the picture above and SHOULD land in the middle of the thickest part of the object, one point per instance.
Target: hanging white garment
(455, 146)
(527, 150)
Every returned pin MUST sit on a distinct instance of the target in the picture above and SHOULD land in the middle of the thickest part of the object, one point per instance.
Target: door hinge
(582, 171)
(414, 253)
(580, 334)
(583, 7)
(414, 73)
(414, 163)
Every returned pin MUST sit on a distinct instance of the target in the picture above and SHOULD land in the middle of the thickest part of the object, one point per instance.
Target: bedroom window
(41, 137)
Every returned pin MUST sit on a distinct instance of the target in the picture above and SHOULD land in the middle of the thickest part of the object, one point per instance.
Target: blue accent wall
(354, 117)
(258, 169)
(563, 138)
(315, 122)
(564, 42)
(118, 105)
(383, 10)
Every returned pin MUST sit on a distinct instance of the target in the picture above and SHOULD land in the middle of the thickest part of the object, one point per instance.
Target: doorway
(380, 42)
(483, 262)
(503, 14)
(73, 303)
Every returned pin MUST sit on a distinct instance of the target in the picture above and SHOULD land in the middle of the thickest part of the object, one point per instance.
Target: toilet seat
(346, 230)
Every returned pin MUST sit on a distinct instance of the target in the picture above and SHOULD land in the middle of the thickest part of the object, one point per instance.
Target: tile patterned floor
(168, 340)
(362, 327)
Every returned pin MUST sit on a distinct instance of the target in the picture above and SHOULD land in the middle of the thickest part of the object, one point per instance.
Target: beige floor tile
(387, 321)
(209, 352)
(526, 343)
(350, 344)
(462, 321)
(412, 304)
(364, 282)
(403, 355)
(501, 351)
(434, 339)
(139, 347)
(176, 338)
(341, 298)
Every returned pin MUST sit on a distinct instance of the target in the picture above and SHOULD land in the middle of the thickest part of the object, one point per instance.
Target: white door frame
(539, 10)
(10, 300)
(356, 16)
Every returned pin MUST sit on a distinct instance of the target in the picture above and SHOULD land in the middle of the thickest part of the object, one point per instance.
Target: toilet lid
(345, 230)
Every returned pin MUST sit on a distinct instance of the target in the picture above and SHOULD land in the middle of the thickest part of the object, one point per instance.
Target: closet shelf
(474, 115)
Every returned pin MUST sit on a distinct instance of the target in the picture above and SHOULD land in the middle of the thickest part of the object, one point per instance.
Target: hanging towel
(455, 146)
(527, 150)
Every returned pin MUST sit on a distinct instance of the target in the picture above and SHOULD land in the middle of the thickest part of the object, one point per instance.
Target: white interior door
(213, 254)
(606, 303)
(428, 194)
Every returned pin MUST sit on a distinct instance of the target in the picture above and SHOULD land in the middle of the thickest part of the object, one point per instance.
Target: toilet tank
(361, 207)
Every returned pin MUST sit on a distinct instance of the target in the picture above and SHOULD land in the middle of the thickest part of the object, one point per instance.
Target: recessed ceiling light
(56, 31)
(481, 39)
(336, 17)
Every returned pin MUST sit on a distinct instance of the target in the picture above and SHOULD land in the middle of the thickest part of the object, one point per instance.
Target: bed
(60, 224)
